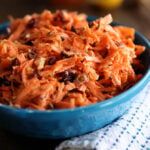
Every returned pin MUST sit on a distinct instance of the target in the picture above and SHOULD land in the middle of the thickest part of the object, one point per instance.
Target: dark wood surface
(10, 141)
(138, 17)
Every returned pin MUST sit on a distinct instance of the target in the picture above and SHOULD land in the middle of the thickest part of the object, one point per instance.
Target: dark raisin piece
(6, 82)
(60, 17)
(15, 83)
(67, 76)
(55, 19)
(64, 55)
(1, 94)
(75, 91)
(52, 60)
(73, 29)
(30, 76)
(93, 44)
(91, 24)
(29, 43)
(15, 62)
(38, 75)
(31, 23)
(104, 53)
(62, 38)
(32, 55)
(1, 81)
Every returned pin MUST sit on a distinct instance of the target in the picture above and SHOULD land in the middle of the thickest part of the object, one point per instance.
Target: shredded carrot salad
(60, 60)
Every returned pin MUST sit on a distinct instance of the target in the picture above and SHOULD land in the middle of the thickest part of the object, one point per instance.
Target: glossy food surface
(60, 124)
(60, 60)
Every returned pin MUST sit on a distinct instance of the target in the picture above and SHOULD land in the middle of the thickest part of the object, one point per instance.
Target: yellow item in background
(106, 4)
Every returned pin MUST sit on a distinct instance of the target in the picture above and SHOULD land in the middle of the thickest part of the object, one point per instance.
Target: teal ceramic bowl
(60, 124)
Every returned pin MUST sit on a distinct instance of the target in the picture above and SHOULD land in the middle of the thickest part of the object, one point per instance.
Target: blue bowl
(60, 124)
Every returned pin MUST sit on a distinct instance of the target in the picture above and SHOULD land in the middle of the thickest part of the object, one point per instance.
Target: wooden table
(9, 141)
(137, 17)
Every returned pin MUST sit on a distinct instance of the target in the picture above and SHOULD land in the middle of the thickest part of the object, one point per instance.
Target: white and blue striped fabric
(130, 132)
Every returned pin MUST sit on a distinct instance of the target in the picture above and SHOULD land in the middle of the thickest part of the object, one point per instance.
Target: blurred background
(134, 13)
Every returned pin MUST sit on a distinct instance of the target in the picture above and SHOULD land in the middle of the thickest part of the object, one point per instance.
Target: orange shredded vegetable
(60, 60)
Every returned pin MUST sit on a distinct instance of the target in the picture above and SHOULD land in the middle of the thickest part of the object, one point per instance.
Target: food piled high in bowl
(59, 71)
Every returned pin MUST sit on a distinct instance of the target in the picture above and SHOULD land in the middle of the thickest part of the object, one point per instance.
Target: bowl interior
(145, 57)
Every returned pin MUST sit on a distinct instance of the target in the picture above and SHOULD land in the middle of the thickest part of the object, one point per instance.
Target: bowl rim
(118, 99)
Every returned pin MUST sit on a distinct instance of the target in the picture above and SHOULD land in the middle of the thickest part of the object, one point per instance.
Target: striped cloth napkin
(130, 132)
